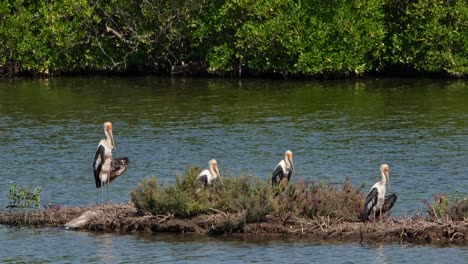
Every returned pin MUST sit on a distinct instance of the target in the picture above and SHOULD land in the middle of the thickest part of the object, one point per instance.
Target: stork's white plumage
(207, 176)
(376, 199)
(106, 168)
(284, 169)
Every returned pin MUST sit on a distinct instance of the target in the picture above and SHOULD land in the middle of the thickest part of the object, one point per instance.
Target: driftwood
(126, 218)
(83, 220)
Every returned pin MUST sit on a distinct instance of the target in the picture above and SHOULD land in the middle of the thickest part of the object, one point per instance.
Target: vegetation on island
(255, 199)
(315, 38)
(252, 198)
(23, 197)
(250, 206)
(249, 196)
(454, 207)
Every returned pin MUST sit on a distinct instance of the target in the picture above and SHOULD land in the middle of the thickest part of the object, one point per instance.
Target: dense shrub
(345, 38)
(427, 36)
(250, 196)
(178, 199)
(453, 207)
(241, 195)
(288, 37)
(313, 200)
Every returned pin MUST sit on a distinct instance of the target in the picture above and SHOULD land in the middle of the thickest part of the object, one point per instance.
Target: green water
(49, 131)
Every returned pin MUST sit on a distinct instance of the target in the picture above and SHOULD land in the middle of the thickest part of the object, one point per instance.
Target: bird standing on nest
(376, 201)
(106, 169)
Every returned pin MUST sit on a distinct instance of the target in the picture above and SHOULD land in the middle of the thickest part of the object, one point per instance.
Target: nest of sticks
(126, 218)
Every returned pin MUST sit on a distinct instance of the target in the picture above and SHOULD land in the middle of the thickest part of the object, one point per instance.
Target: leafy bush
(24, 197)
(183, 200)
(312, 200)
(178, 199)
(343, 38)
(237, 37)
(454, 207)
(250, 196)
(427, 36)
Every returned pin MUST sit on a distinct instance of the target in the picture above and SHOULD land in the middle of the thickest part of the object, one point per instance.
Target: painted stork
(106, 169)
(376, 201)
(207, 176)
(284, 169)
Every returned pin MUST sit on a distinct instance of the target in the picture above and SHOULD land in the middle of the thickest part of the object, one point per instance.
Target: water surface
(60, 246)
(49, 131)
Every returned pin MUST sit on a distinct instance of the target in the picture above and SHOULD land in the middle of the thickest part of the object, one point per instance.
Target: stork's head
(108, 132)
(213, 164)
(385, 170)
(288, 155)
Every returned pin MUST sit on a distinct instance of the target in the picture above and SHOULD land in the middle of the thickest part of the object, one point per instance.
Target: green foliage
(238, 37)
(428, 36)
(248, 195)
(184, 199)
(454, 207)
(178, 199)
(24, 197)
(44, 35)
(345, 38)
(314, 200)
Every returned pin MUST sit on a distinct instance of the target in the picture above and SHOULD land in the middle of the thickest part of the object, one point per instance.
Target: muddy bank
(126, 218)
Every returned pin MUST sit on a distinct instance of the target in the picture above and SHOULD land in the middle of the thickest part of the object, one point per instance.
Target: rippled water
(59, 246)
(49, 131)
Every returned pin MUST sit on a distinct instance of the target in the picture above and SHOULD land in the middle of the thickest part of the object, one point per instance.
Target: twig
(167, 217)
(218, 211)
(456, 233)
(435, 215)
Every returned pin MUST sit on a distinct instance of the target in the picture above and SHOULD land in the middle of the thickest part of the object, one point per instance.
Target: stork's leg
(380, 217)
(108, 183)
(102, 195)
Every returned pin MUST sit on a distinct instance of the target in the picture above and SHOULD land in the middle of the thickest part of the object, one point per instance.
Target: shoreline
(265, 76)
(125, 218)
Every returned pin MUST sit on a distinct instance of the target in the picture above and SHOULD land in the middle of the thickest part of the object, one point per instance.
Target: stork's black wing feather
(119, 167)
(390, 200)
(97, 164)
(278, 175)
(203, 179)
(371, 201)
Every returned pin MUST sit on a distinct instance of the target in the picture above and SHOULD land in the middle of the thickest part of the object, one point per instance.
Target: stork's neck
(213, 172)
(384, 178)
(287, 162)
(108, 140)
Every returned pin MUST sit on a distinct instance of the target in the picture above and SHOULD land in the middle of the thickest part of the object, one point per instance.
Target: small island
(248, 206)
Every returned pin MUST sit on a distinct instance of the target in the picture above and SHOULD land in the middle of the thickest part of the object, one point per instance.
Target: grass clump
(178, 199)
(250, 196)
(310, 199)
(454, 207)
(246, 195)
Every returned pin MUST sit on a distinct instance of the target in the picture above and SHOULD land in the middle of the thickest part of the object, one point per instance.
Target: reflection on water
(49, 131)
(105, 250)
(381, 256)
(61, 246)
